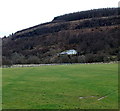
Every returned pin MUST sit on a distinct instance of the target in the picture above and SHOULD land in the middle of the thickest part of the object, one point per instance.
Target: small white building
(69, 52)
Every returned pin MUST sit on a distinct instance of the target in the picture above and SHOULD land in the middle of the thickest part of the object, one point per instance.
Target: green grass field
(61, 87)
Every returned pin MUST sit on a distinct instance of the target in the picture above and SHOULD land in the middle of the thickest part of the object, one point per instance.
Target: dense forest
(105, 12)
(94, 34)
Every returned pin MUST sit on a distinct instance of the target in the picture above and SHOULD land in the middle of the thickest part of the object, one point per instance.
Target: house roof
(69, 52)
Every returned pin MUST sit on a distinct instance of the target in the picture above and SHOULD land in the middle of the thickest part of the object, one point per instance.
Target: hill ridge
(95, 39)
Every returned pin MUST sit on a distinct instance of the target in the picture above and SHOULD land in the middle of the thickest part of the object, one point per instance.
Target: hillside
(94, 34)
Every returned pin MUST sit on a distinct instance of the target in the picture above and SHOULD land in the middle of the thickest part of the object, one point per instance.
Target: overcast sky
(20, 14)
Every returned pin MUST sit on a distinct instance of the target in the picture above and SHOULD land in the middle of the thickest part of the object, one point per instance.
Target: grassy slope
(59, 87)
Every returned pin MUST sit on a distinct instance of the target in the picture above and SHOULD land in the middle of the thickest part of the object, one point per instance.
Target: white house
(69, 52)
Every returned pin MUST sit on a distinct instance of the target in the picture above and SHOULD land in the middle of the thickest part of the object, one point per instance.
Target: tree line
(103, 12)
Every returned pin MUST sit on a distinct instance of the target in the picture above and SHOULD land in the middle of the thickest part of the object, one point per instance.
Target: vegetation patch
(61, 87)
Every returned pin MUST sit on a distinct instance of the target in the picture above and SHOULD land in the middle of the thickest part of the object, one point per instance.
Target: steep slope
(94, 37)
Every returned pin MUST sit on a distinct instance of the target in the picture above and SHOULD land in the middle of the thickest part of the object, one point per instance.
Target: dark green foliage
(88, 14)
(99, 22)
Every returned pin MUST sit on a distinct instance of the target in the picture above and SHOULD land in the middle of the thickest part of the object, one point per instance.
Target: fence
(37, 65)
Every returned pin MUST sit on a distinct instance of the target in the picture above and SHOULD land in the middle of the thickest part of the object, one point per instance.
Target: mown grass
(59, 87)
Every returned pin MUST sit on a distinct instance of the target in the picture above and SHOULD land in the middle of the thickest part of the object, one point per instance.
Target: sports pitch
(83, 86)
